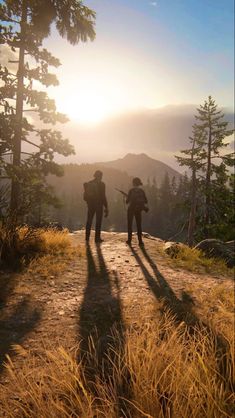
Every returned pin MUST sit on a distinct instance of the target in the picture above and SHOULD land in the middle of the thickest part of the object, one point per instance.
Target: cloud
(153, 3)
(160, 133)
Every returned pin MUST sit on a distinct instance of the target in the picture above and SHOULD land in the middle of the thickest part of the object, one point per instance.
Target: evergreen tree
(165, 207)
(192, 160)
(211, 132)
(25, 24)
(179, 208)
(209, 167)
(151, 221)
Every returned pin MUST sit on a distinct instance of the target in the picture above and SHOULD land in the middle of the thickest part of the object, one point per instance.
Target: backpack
(90, 191)
(138, 200)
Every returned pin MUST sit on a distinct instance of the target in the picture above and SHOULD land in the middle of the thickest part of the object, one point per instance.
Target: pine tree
(165, 207)
(192, 160)
(209, 165)
(25, 24)
(211, 131)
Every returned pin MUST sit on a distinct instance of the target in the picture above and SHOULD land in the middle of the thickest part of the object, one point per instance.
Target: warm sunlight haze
(90, 99)
(117, 239)
(146, 72)
(91, 108)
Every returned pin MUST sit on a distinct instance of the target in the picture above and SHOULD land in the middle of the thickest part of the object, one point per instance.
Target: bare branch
(31, 143)
(31, 110)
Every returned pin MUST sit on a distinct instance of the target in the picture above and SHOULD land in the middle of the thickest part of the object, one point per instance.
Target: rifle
(145, 208)
(122, 192)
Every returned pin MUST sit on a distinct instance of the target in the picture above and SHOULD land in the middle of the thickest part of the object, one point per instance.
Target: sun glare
(87, 103)
(88, 110)
(90, 100)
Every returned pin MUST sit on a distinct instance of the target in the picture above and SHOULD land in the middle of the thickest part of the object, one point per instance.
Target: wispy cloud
(153, 3)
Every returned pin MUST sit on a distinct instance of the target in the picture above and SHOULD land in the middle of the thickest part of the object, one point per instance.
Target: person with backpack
(137, 201)
(94, 195)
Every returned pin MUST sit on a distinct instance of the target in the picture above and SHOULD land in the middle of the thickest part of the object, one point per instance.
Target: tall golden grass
(18, 244)
(193, 259)
(163, 369)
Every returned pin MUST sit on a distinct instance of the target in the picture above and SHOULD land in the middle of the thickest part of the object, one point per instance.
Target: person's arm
(128, 199)
(105, 203)
(145, 198)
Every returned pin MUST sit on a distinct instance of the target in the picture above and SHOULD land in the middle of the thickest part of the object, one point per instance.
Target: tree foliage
(211, 191)
(24, 25)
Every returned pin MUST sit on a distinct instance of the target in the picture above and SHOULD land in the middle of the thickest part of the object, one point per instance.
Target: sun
(89, 110)
(87, 104)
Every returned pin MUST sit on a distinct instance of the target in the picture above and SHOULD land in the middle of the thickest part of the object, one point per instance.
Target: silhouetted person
(137, 201)
(94, 195)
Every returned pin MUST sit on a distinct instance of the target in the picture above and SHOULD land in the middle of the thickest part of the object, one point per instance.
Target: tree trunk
(208, 185)
(15, 186)
(192, 216)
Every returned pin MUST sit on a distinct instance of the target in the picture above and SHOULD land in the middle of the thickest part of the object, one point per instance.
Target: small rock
(215, 248)
(173, 248)
(61, 313)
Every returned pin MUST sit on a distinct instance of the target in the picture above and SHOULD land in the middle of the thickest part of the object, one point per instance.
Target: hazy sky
(135, 89)
(147, 54)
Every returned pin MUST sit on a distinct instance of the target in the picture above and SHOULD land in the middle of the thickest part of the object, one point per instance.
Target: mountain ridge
(161, 133)
(143, 166)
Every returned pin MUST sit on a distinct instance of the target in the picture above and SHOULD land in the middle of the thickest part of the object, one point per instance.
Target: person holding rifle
(137, 201)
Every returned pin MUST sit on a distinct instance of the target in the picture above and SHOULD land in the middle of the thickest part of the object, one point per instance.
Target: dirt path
(110, 284)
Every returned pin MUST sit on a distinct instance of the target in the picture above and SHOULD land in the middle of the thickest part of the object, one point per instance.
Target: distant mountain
(143, 166)
(161, 133)
(118, 174)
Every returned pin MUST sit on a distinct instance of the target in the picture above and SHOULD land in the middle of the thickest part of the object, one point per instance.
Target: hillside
(143, 166)
(117, 174)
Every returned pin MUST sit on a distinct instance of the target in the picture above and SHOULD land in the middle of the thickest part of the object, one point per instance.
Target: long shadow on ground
(182, 309)
(15, 322)
(101, 325)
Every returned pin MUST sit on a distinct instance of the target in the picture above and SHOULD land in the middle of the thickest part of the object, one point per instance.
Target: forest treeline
(168, 202)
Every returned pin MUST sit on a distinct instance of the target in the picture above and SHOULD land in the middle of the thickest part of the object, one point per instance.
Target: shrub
(22, 243)
(193, 259)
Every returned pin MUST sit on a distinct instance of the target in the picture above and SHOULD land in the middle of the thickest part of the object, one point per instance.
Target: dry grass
(193, 260)
(55, 242)
(155, 369)
(162, 370)
(19, 245)
(55, 255)
(216, 303)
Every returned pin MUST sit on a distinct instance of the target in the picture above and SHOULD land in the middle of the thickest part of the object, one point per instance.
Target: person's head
(137, 182)
(98, 175)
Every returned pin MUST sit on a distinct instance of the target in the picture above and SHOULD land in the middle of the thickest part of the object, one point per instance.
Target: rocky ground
(106, 284)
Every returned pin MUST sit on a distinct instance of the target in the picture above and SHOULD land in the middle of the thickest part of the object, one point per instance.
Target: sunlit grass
(193, 260)
(216, 303)
(21, 245)
(160, 369)
(56, 253)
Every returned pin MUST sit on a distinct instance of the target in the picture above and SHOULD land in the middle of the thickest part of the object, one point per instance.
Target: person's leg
(90, 216)
(138, 219)
(130, 216)
(99, 217)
